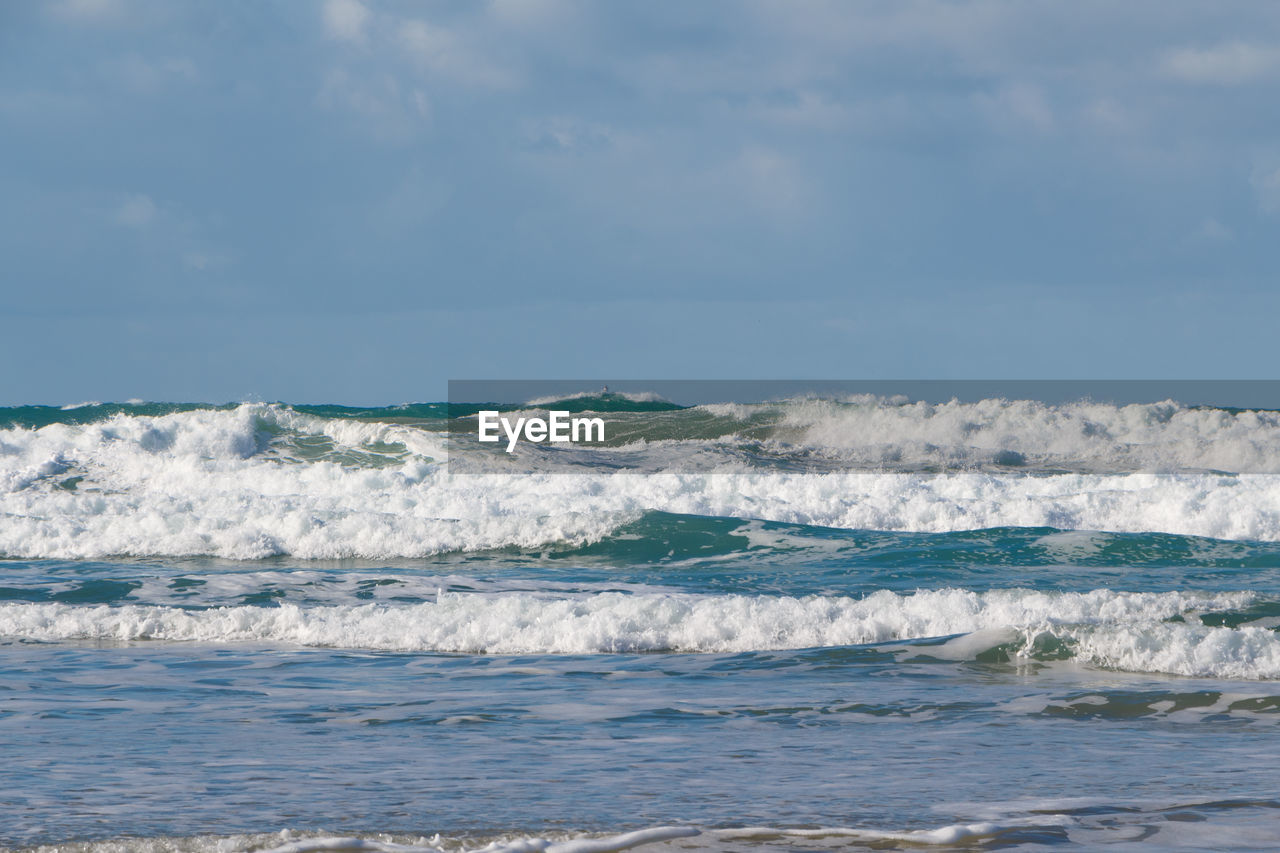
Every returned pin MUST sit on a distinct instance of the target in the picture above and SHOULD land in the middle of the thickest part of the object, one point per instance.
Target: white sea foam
(950, 834)
(289, 842)
(224, 483)
(1114, 629)
(1247, 652)
(1123, 825)
(631, 396)
(1078, 436)
(606, 844)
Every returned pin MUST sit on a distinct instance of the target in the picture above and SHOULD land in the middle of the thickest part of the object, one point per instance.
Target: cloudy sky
(355, 201)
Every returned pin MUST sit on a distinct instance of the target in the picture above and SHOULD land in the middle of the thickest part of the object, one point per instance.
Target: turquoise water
(221, 623)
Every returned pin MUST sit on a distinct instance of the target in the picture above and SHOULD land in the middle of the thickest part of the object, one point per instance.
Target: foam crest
(599, 396)
(1028, 434)
(612, 622)
(257, 508)
(1247, 652)
(264, 480)
(288, 842)
(1088, 822)
(608, 844)
(960, 833)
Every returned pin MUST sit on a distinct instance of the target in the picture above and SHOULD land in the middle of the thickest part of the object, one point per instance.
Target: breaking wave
(1175, 633)
(261, 480)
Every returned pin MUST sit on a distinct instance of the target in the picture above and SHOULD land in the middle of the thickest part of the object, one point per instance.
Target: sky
(356, 201)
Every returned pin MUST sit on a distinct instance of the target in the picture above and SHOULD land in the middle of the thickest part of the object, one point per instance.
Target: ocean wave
(261, 480)
(894, 434)
(287, 841)
(255, 509)
(605, 401)
(1227, 824)
(1120, 630)
(581, 844)
(859, 432)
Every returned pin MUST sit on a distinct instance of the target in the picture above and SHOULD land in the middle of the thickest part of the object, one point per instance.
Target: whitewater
(261, 480)
(859, 622)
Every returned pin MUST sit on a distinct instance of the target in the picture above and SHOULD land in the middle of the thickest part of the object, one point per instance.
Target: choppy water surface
(218, 625)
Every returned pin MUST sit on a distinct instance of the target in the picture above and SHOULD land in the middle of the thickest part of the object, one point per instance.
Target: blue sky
(355, 201)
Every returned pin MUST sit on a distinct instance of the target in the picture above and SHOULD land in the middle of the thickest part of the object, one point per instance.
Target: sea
(816, 623)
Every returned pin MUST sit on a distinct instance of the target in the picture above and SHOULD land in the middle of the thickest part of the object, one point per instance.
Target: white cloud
(1018, 104)
(806, 39)
(384, 107)
(1109, 115)
(803, 110)
(151, 76)
(1213, 231)
(136, 211)
(169, 233)
(88, 11)
(568, 135)
(432, 45)
(1266, 185)
(524, 15)
(420, 104)
(1234, 62)
(345, 19)
(769, 181)
(441, 51)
